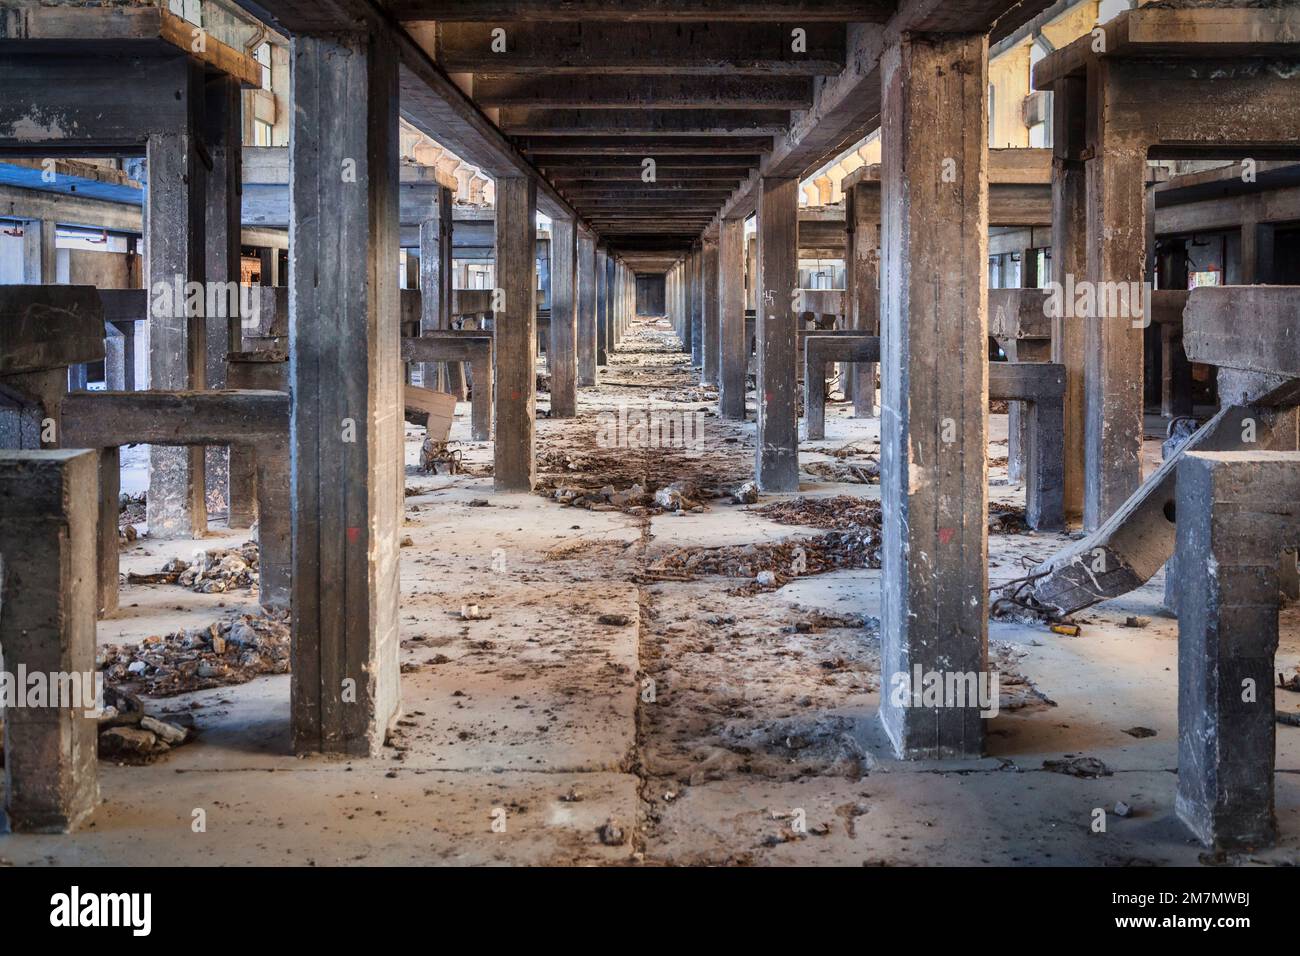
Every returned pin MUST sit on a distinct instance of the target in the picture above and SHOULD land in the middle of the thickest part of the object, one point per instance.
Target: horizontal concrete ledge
(840, 348)
(49, 326)
(1254, 328)
(447, 346)
(1026, 381)
(221, 417)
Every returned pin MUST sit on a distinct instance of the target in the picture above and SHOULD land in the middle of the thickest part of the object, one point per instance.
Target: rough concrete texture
(1236, 512)
(764, 702)
(48, 516)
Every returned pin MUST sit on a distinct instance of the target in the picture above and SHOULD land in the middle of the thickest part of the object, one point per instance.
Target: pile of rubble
(772, 564)
(681, 497)
(219, 571)
(129, 735)
(839, 512)
(231, 652)
(131, 511)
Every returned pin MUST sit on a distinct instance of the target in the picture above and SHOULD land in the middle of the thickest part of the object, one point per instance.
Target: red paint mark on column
(945, 534)
(354, 535)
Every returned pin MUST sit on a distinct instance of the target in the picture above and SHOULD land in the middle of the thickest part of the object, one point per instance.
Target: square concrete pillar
(48, 520)
(175, 225)
(1236, 512)
(733, 345)
(223, 131)
(516, 335)
(1069, 259)
(346, 381)
(1116, 253)
(695, 265)
(863, 218)
(602, 307)
(778, 276)
(586, 309)
(934, 196)
(562, 352)
(435, 291)
(712, 332)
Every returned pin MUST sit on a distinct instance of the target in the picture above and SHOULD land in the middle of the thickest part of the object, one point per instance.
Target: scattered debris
(613, 620)
(440, 457)
(471, 612)
(839, 512)
(867, 473)
(1291, 683)
(1007, 519)
(1132, 621)
(746, 494)
(1140, 732)
(1088, 767)
(783, 560)
(611, 834)
(232, 652)
(1069, 630)
(1123, 810)
(221, 570)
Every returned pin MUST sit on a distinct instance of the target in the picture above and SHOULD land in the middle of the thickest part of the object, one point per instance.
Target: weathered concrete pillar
(602, 306)
(562, 357)
(697, 305)
(516, 334)
(1023, 349)
(586, 308)
(269, 267)
(934, 197)
(1069, 259)
(733, 344)
(778, 275)
(346, 412)
(862, 213)
(48, 520)
(176, 253)
(1116, 252)
(1236, 512)
(435, 292)
(40, 255)
(712, 333)
(223, 138)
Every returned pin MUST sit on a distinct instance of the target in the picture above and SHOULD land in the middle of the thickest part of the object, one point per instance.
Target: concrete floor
(524, 734)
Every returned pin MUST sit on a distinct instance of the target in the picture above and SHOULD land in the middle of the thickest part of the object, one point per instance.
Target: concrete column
(40, 256)
(346, 410)
(862, 212)
(697, 305)
(269, 267)
(563, 349)
(1069, 259)
(48, 520)
(516, 334)
(1019, 436)
(934, 288)
(733, 343)
(1116, 253)
(223, 137)
(1236, 512)
(602, 306)
(586, 309)
(435, 292)
(778, 275)
(611, 273)
(712, 333)
(176, 252)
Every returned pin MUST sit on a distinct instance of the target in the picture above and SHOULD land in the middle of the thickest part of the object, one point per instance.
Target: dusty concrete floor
(697, 724)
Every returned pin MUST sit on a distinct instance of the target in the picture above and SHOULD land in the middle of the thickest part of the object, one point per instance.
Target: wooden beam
(664, 47)
(587, 91)
(638, 146)
(524, 122)
(548, 11)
